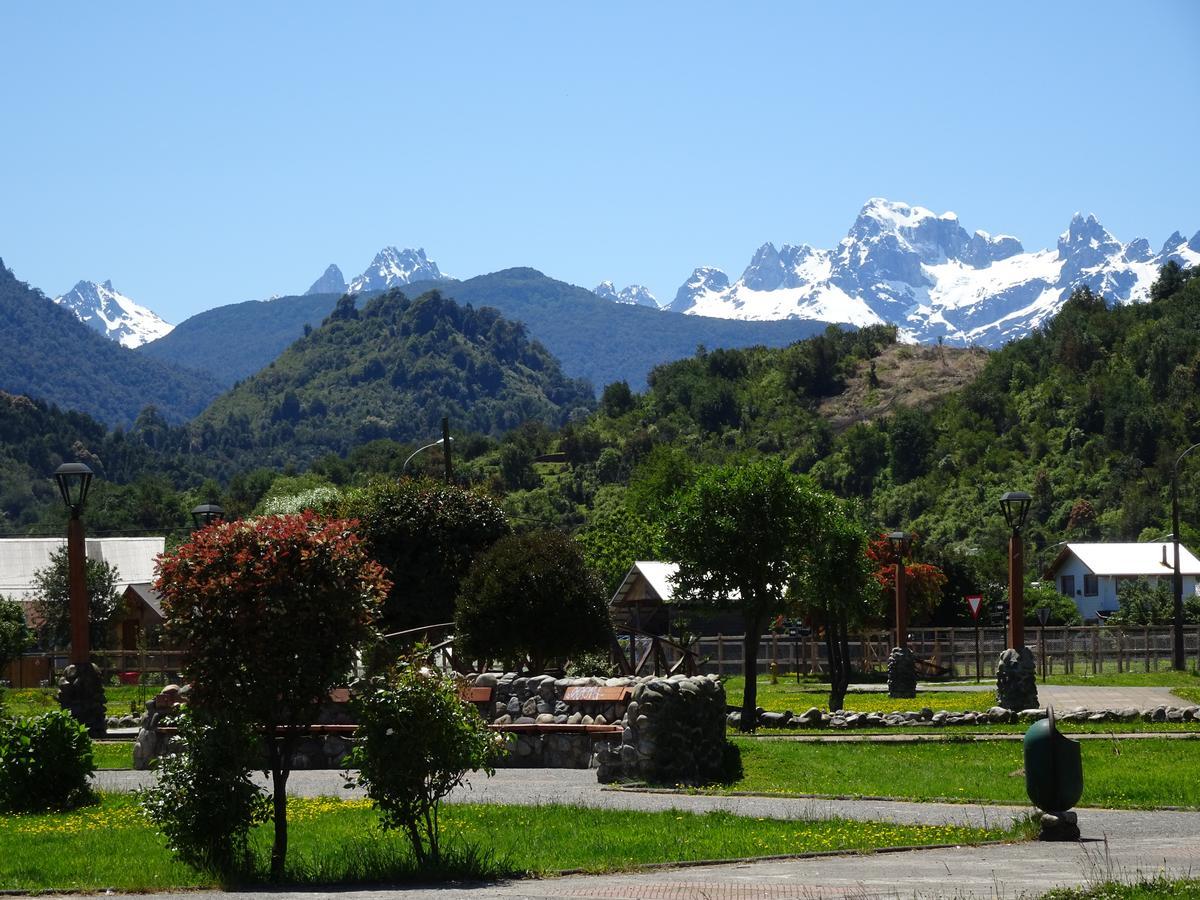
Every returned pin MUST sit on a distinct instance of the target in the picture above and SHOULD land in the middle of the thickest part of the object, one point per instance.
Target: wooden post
(720, 654)
(1146, 637)
(1095, 649)
(953, 668)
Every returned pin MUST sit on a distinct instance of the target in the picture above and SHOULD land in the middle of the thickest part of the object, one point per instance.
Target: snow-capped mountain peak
(924, 272)
(113, 314)
(392, 268)
(632, 295)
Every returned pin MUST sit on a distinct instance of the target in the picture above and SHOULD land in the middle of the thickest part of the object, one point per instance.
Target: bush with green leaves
(45, 763)
(531, 599)
(1145, 602)
(1063, 610)
(203, 799)
(15, 635)
(417, 740)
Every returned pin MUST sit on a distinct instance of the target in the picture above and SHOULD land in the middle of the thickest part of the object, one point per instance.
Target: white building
(1091, 574)
(134, 559)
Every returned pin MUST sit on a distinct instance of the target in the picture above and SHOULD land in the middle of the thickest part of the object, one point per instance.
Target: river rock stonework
(1016, 679)
(902, 673)
(674, 733)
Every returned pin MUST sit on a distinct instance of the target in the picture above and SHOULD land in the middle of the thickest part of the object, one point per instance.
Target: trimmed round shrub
(45, 763)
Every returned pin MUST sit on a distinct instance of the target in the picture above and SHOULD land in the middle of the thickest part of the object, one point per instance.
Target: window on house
(1066, 584)
(1091, 586)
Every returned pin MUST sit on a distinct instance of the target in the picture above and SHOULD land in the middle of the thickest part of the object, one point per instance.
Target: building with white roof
(645, 600)
(1091, 574)
(134, 559)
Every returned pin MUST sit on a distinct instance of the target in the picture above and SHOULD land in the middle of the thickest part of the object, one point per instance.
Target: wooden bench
(594, 694)
(285, 730)
(596, 732)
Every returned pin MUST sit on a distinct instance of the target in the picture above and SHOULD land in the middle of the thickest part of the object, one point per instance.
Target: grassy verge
(112, 754)
(1188, 694)
(799, 697)
(953, 732)
(331, 841)
(33, 701)
(1164, 678)
(1129, 774)
(1114, 890)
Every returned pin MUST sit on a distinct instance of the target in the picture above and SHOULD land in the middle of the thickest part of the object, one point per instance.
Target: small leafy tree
(1143, 602)
(923, 582)
(416, 742)
(530, 599)
(15, 635)
(204, 800)
(52, 600)
(425, 534)
(734, 534)
(1063, 610)
(272, 611)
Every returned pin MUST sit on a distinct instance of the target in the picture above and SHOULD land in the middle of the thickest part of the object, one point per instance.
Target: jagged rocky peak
(114, 315)
(771, 269)
(934, 238)
(1137, 250)
(703, 280)
(1193, 244)
(1086, 238)
(331, 282)
(392, 267)
(631, 295)
(984, 249)
(1173, 243)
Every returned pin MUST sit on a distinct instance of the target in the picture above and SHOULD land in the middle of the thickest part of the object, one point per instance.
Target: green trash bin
(1053, 777)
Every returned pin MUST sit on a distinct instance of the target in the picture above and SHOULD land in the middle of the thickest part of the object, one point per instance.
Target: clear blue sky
(205, 153)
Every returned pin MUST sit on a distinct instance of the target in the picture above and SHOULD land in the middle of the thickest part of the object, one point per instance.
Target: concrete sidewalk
(1117, 844)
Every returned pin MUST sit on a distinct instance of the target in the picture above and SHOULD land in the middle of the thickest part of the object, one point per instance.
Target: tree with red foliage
(923, 582)
(271, 611)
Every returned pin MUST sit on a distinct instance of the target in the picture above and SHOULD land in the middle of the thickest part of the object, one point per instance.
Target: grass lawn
(1190, 694)
(799, 697)
(111, 846)
(33, 701)
(1127, 774)
(112, 754)
(951, 732)
(1114, 890)
(1164, 678)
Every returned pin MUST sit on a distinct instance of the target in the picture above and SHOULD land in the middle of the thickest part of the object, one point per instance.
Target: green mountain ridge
(391, 371)
(594, 339)
(52, 356)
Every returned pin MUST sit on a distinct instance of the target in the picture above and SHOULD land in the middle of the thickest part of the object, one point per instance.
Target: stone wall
(674, 733)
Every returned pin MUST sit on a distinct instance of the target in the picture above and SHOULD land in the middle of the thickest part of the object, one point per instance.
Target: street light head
(73, 479)
(207, 513)
(1015, 506)
(901, 542)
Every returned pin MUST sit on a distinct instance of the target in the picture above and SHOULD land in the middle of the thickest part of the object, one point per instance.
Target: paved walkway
(1117, 844)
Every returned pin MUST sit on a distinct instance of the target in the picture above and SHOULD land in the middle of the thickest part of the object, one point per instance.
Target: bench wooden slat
(475, 694)
(594, 693)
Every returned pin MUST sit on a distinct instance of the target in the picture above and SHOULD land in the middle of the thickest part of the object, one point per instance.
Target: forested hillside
(1088, 415)
(390, 371)
(50, 355)
(235, 341)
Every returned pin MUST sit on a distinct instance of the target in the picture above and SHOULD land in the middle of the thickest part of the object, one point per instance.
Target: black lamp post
(902, 665)
(1016, 675)
(80, 689)
(901, 543)
(74, 480)
(1015, 506)
(207, 513)
(1177, 660)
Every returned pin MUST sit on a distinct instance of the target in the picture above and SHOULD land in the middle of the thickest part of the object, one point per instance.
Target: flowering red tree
(923, 582)
(271, 612)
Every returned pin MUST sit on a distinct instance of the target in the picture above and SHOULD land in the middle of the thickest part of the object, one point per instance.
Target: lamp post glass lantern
(207, 513)
(80, 689)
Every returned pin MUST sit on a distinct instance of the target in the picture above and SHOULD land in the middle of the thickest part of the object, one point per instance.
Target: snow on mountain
(633, 295)
(332, 281)
(392, 268)
(113, 314)
(926, 273)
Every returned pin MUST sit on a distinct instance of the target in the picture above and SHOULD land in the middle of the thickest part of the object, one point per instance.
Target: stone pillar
(1016, 679)
(81, 693)
(902, 673)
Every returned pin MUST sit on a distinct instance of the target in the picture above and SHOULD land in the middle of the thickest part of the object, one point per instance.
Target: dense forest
(1087, 414)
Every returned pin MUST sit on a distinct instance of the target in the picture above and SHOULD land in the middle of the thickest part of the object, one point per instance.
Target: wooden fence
(42, 669)
(1083, 650)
